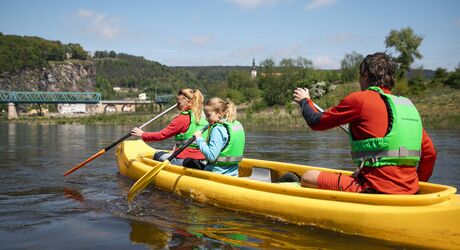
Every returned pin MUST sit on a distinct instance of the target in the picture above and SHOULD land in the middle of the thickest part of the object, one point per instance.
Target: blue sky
(232, 32)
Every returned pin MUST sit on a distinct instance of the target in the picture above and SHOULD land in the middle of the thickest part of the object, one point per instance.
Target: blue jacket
(218, 138)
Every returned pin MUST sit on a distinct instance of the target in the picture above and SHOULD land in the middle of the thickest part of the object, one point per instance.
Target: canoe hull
(378, 216)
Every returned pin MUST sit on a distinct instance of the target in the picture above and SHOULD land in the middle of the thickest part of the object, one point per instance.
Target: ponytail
(196, 101)
(227, 108)
(230, 114)
(197, 104)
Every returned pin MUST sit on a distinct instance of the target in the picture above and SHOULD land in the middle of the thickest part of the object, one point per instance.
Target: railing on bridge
(164, 98)
(49, 97)
(64, 97)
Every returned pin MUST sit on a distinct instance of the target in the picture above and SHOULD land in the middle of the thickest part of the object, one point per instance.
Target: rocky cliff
(70, 75)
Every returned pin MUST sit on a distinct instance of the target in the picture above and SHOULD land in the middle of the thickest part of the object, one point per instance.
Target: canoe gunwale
(361, 198)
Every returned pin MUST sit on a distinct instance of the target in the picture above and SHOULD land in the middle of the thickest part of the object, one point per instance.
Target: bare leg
(310, 178)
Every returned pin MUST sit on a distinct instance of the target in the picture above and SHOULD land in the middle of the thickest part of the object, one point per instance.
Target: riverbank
(437, 106)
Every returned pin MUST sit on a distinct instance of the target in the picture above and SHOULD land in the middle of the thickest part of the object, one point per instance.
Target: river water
(41, 209)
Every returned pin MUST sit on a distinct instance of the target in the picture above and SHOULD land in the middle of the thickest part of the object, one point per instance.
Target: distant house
(68, 109)
(253, 69)
(116, 89)
(142, 96)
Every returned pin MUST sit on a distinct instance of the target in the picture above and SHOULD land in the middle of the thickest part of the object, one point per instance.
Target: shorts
(163, 156)
(339, 182)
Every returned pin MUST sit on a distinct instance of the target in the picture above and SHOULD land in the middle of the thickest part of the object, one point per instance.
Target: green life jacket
(232, 152)
(193, 127)
(401, 146)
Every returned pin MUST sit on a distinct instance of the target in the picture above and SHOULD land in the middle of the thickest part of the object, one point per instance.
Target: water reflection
(88, 209)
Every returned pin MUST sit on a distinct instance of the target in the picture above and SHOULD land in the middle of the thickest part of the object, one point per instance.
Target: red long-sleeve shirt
(178, 125)
(367, 115)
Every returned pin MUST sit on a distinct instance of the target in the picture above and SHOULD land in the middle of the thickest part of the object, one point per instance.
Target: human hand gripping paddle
(145, 180)
(102, 151)
(301, 93)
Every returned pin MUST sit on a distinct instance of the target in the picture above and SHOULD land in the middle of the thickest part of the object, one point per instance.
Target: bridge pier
(12, 113)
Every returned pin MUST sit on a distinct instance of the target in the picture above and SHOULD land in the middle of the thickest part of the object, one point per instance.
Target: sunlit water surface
(40, 209)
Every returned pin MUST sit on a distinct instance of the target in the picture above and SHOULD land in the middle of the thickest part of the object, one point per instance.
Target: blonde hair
(218, 105)
(196, 101)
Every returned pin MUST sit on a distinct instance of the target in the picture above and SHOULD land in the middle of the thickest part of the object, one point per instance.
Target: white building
(253, 69)
(74, 108)
(142, 96)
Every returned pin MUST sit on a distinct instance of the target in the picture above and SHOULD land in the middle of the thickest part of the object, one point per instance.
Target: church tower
(253, 70)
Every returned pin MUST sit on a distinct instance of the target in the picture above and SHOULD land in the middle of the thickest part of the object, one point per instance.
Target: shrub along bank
(438, 106)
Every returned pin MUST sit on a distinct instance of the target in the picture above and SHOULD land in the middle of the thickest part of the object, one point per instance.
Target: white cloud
(248, 4)
(315, 4)
(325, 62)
(99, 24)
(201, 40)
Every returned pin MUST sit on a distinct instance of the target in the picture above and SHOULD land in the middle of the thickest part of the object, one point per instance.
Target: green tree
(242, 82)
(77, 51)
(406, 43)
(440, 75)
(103, 85)
(350, 66)
(453, 79)
(304, 63)
(112, 54)
(417, 81)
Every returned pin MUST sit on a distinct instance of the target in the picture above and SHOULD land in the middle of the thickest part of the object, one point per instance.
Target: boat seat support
(260, 174)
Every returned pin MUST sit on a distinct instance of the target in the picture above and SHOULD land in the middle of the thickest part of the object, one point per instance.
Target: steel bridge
(49, 97)
(66, 97)
(17, 97)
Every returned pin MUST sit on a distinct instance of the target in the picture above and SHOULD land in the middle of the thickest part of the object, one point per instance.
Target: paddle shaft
(141, 126)
(177, 152)
(344, 129)
(102, 151)
(145, 180)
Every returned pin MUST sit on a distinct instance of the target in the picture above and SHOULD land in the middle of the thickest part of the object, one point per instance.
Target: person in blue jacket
(224, 146)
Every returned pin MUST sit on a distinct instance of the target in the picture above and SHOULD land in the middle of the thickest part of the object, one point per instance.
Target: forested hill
(22, 52)
(134, 72)
(20, 55)
(273, 85)
(26, 53)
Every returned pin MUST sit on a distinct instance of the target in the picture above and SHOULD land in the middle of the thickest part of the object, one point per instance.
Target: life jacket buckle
(373, 160)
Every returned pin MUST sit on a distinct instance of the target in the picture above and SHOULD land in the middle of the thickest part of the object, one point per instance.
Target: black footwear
(289, 177)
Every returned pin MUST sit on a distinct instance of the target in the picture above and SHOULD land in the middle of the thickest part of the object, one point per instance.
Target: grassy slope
(438, 107)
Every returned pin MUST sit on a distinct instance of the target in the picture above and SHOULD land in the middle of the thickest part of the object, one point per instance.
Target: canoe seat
(260, 174)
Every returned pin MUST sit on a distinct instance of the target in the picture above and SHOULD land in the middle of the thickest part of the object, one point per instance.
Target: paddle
(102, 151)
(341, 126)
(356, 172)
(145, 180)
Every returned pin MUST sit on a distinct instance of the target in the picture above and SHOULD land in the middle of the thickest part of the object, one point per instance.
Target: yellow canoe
(429, 219)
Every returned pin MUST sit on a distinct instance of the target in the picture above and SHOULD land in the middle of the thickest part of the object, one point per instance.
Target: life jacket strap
(401, 152)
(227, 159)
(180, 143)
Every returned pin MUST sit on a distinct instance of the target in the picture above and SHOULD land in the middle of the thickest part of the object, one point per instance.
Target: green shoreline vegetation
(438, 107)
(264, 97)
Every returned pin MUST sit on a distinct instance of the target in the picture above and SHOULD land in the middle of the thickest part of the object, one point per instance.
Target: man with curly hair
(389, 145)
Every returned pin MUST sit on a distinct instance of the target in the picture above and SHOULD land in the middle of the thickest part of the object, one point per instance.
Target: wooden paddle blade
(145, 180)
(101, 152)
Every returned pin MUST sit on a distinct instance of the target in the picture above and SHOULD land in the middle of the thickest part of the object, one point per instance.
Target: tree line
(272, 86)
(21, 52)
